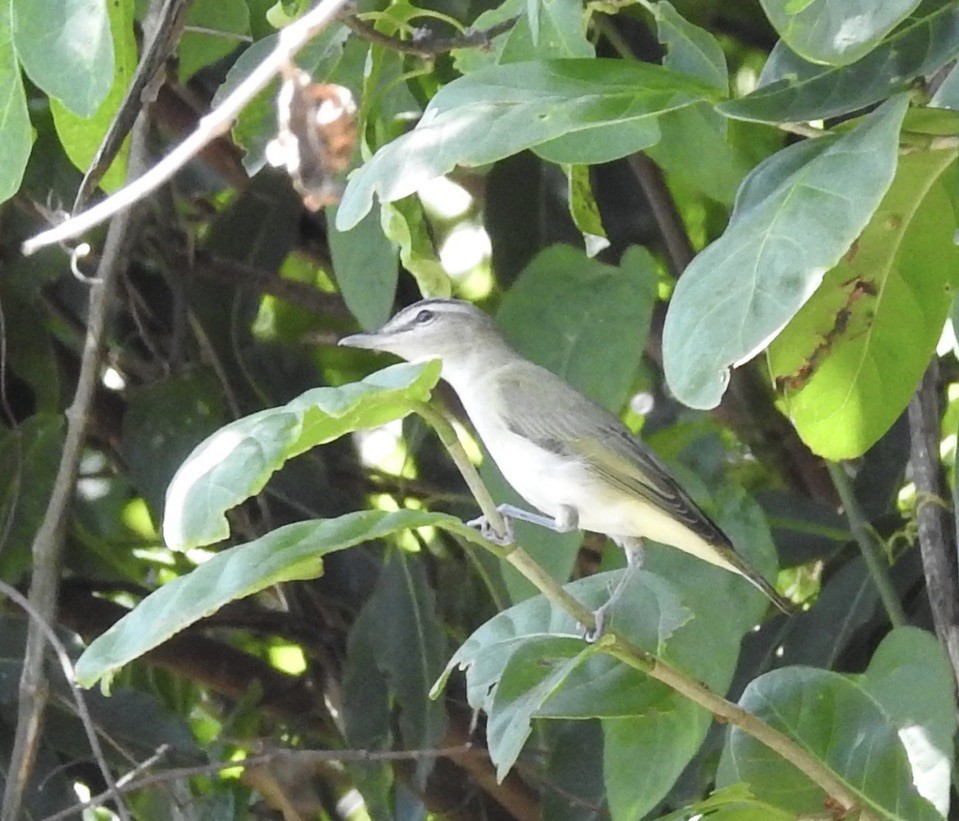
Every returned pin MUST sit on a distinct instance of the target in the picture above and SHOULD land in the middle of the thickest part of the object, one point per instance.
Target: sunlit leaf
(795, 216)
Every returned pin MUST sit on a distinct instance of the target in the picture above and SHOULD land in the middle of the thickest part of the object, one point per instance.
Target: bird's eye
(423, 317)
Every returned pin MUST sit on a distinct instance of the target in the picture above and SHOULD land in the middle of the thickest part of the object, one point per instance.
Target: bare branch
(48, 542)
(427, 46)
(291, 40)
(936, 532)
(85, 718)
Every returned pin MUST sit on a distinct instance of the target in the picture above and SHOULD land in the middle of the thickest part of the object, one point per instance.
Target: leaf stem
(623, 649)
(871, 554)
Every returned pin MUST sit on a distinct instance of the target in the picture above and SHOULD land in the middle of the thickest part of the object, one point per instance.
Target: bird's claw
(487, 532)
(591, 636)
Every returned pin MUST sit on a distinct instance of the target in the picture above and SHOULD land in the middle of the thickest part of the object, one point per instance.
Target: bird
(571, 459)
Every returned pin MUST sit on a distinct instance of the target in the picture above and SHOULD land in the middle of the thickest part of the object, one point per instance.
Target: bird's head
(447, 329)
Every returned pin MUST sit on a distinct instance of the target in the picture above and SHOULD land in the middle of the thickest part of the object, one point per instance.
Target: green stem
(872, 555)
(623, 649)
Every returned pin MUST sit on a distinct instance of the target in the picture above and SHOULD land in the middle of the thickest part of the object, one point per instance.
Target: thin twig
(48, 541)
(291, 39)
(427, 46)
(627, 652)
(310, 756)
(936, 535)
(876, 565)
(86, 719)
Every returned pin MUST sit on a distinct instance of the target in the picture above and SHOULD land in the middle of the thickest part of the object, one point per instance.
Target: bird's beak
(360, 341)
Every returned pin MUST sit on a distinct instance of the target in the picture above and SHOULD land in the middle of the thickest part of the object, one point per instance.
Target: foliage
(733, 224)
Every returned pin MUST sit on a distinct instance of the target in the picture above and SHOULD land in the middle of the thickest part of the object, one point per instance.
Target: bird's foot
(487, 532)
(594, 634)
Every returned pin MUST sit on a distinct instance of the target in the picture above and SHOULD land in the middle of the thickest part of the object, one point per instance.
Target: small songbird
(568, 457)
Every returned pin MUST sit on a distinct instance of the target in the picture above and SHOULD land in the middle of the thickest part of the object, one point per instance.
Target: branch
(621, 648)
(291, 39)
(86, 719)
(936, 535)
(875, 563)
(276, 756)
(426, 45)
(48, 541)
(143, 88)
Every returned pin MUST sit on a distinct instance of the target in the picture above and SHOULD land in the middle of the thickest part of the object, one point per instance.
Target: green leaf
(405, 224)
(591, 322)
(591, 319)
(860, 727)
(16, 137)
(695, 150)
(499, 111)
(226, 23)
(690, 49)
(533, 672)
(732, 803)
(922, 708)
(29, 459)
(236, 462)
(837, 32)
(66, 49)
(162, 424)
(850, 360)
(561, 33)
(288, 553)
(675, 730)
(81, 136)
(410, 647)
(796, 215)
(366, 268)
(793, 90)
(947, 95)
(651, 613)
(584, 210)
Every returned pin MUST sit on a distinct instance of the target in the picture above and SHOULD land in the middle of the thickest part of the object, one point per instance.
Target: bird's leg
(566, 519)
(634, 561)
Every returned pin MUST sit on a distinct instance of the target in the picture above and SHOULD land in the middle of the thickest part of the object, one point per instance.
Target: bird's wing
(569, 425)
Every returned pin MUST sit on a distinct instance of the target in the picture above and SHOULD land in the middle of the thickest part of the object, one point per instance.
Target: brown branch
(259, 281)
(48, 542)
(936, 532)
(66, 666)
(426, 45)
(166, 27)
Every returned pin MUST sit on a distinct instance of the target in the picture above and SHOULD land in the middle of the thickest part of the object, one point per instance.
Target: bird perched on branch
(568, 457)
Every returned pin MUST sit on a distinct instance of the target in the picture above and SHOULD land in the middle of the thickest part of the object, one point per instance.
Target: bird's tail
(738, 565)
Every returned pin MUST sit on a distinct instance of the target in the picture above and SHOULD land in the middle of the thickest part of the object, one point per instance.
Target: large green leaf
(690, 49)
(407, 648)
(572, 110)
(837, 32)
(887, 733)
(29, 458)
(65, 47)
(286, 554)
(16, 137)
(678, 624)
(236, 462)
(81, 136)
(561, 32)
(794, 90)
(366, 267)
(850, 360)
(795, 216)
(220, 24)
